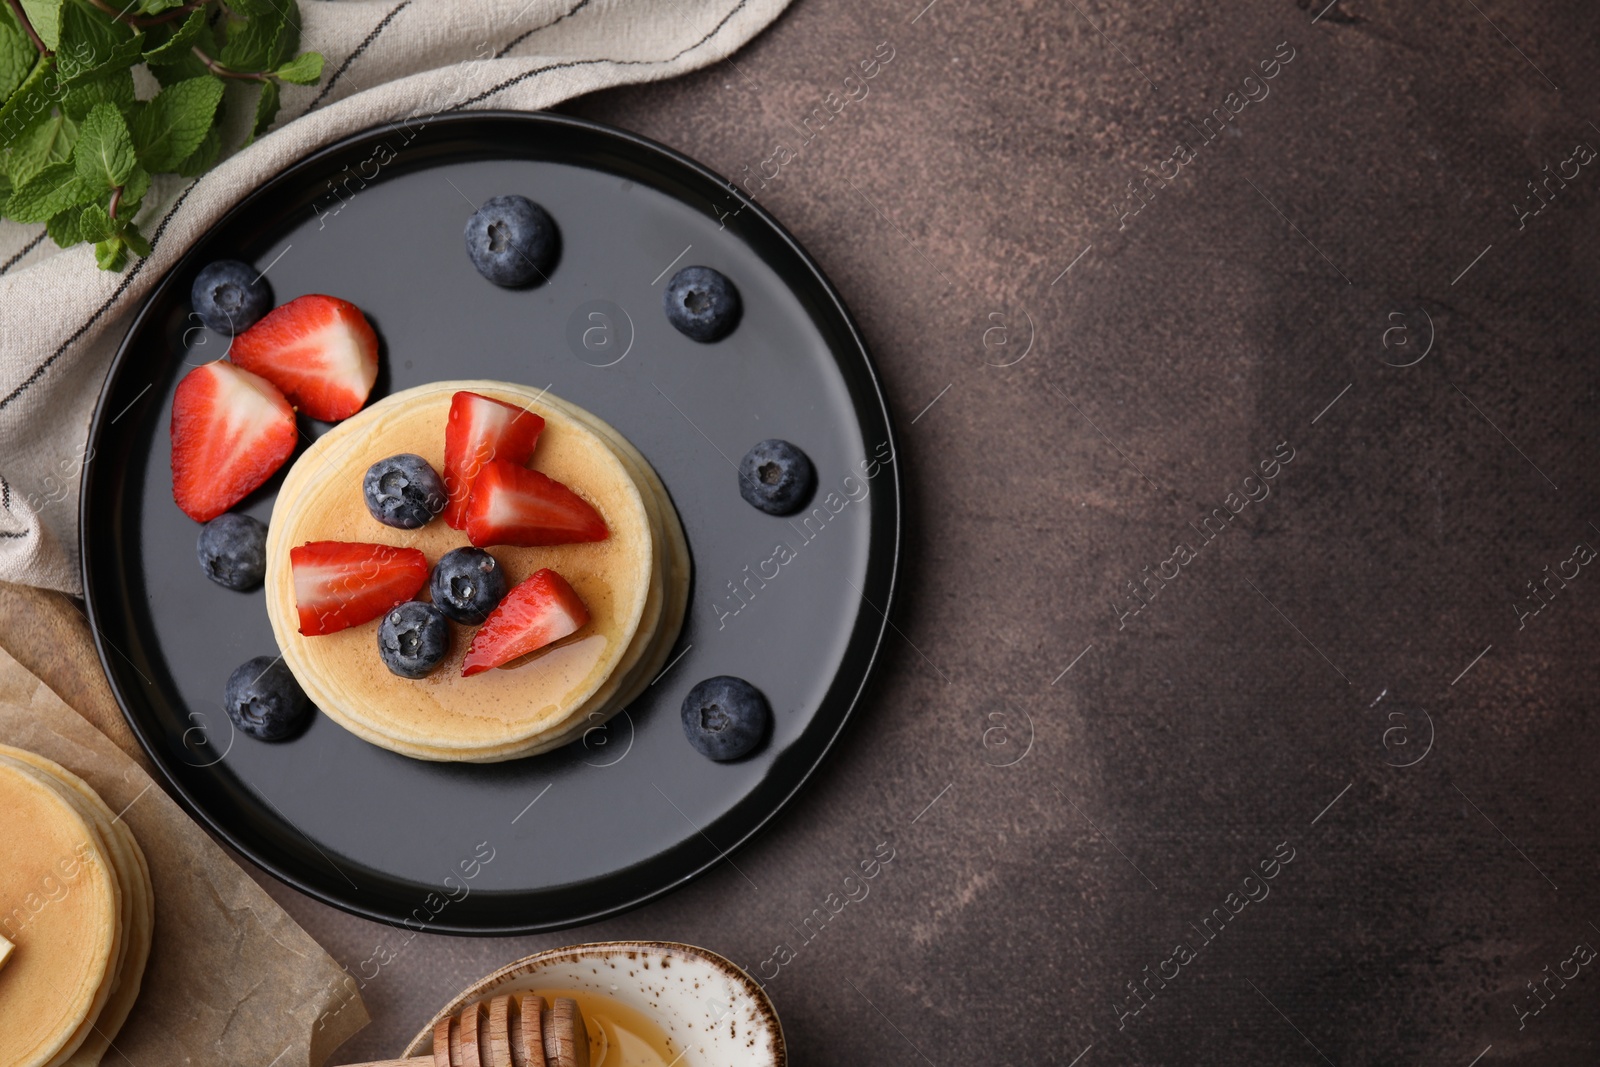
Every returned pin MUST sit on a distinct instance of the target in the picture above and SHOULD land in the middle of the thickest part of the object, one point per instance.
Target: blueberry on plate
(776, 477)
(467, 584)
(702, 304)
(229, 296)
(403, 491)
(512, 241)
(413, 639)
(233, 551)
(725, 718)
(264, 700)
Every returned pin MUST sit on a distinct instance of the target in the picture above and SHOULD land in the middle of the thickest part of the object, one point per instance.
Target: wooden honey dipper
(511, 1030)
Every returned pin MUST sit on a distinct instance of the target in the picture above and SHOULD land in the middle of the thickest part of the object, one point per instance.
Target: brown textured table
(1345, 285)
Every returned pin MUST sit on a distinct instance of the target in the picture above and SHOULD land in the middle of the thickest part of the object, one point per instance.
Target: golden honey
(621, 1036)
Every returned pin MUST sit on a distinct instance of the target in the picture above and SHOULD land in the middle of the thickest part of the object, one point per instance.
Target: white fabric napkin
(61, 318)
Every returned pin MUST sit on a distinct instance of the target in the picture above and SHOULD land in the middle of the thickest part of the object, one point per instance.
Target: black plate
(633, 811)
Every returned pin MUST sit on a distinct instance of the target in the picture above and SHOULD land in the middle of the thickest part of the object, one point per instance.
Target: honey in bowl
(621, 1036)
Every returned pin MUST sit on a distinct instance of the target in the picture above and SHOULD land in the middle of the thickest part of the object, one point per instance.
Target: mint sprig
(79, 145)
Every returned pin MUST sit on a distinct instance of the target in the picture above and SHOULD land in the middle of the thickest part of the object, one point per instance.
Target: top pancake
(321, 500)
(62, 908)
(659, 627)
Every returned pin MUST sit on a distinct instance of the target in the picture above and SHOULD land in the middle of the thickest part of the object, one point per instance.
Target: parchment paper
(232, 980)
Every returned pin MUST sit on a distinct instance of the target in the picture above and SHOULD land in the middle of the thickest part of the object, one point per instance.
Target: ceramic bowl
(704, 1002)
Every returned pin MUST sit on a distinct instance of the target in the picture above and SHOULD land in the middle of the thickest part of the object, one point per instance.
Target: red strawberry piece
(339, 584)
(512, 505)
(482, 429)
(230, 431)
(319, 350)
(541, 610)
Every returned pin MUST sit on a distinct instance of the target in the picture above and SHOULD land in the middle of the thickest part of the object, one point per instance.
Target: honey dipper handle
(488, 1033)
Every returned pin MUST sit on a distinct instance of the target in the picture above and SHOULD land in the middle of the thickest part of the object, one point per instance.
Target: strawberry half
(339, 584)
(319, 350)
(539, 611)
(482, 429)
(230, 431)
(512, 505)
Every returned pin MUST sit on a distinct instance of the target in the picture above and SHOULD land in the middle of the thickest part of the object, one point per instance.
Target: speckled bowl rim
(590, 949)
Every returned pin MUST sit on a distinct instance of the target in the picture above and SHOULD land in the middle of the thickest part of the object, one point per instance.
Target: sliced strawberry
(319, 350)
(482, 429)
(512, 505)
(230, 431)
(339, 584)
(540, 610)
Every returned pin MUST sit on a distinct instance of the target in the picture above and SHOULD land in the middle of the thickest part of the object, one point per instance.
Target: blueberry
(264, 700)
(776, 477)
(466, 585)
(702, 304)
(403, 491)
(413, 639)
(725, 717)
(230, 296)
(512, 241)
(233, 551)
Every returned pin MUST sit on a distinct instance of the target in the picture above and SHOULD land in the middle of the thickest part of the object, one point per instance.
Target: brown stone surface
(1190, 340)
(1243, 309)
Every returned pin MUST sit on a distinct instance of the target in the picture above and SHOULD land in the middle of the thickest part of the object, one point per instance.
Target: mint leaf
(287, 42)
(95, 225)
(204, 157)
(135, 240)
(46, 18)
(181, 67)
(109, 86)
(133, 191)
(251, 42)
(31, 102)
(266, 39)
(170, 127)
(252, 8)
(63, 228)
(52, 190)
(5, 192)
(188, 34)
(92, 40)
(266, 109)
(156, 7)
(303, 69)
(17, 53)
(111, 254)
(104, 156)
(49, 142)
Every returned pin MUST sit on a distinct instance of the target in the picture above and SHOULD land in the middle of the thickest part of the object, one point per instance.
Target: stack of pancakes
(635, 585)
(75, 897)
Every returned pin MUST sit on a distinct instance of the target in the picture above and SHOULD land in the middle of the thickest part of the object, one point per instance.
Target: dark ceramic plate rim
(883, 539)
